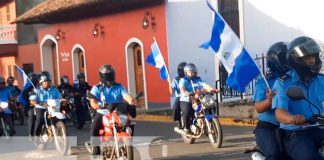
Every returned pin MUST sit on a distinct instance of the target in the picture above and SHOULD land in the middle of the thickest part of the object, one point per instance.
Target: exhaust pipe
(179, 131)
(182, 132)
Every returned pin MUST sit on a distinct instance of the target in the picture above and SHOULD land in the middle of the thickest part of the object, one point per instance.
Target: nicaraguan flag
(237, 61)
(27, 83)
(155, 59)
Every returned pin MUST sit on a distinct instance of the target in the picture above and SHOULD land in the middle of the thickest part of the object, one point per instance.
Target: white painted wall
(189, 24)
(270, 21)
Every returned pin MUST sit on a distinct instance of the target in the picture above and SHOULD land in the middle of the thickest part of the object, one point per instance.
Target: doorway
(49, 58)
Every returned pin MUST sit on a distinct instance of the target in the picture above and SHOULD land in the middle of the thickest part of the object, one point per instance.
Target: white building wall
(189, 24)
(268, 21)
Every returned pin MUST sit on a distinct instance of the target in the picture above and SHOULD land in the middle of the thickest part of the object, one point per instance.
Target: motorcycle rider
(30, 109)
(189, 84)
(66, 90)
(15, 91)
(81, 87)
(5, 95)
(174, 89)
(267, 123)
(39, 99)
(106, 92)
(303, 58)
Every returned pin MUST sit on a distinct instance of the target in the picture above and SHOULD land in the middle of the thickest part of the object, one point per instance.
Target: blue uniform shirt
(13, 90)
(114, 94)
(5, 95)
(260, 95)
(313, 90)
(42, 95)
(190, 85)
(175, 86)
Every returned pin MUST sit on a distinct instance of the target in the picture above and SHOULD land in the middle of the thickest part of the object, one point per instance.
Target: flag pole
(163, 58)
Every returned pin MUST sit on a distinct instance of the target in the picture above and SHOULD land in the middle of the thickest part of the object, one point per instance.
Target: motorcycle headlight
(4, 105)
(208, 100)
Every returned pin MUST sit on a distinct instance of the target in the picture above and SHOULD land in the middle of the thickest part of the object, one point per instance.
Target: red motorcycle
(117, 133)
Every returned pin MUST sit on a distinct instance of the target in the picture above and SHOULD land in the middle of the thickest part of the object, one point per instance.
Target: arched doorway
(135, 69)
(49, 58)
(79, 62)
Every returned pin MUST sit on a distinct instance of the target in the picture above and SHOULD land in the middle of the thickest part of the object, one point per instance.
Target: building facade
(8, 38)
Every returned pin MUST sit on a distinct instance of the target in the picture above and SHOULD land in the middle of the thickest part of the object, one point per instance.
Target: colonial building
(81, 35)
(8, 39)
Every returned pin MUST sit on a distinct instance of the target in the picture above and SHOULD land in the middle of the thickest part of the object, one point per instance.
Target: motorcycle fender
(123, 135)
(58, 115)
(209, 117)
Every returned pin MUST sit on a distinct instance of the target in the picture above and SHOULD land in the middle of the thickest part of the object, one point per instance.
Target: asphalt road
(153, 140)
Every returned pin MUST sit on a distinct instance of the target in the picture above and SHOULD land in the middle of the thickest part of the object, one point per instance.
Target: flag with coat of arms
(240, 66)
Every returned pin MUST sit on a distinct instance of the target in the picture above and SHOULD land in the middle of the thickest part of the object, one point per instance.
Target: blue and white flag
(27, 83)
(230, 51)
(155, 59)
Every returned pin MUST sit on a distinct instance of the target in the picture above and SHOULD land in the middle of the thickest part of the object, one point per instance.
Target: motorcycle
(7, 129)
(316, 121)
(205, 122)
(54, 128)
(68, 109)
(117, 133)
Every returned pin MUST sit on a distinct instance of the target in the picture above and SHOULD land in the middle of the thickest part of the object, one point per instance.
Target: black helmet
(2, 81)
(299, 48)
(80, 75)
(181, 66)
(107, 73)
(45, 76)
(33, 77)
(64, 79)
(277, 58)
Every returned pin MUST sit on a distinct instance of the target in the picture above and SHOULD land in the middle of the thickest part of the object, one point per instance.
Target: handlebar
(315, 121)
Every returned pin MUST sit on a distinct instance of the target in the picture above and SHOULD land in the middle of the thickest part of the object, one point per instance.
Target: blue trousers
(31, 121)
(187, 113)
(304, 144)
(40, 121)
(266, 139)
(176, 109)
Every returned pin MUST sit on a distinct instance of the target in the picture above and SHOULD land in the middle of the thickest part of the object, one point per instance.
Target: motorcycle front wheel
(60, 137)
(126, 150)
(215, 133)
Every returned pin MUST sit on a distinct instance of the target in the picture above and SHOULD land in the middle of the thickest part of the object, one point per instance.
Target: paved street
(153, 140)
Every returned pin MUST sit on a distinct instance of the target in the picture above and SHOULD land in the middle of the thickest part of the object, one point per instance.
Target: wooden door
(55, 67)
(81, 61)
(138, 67)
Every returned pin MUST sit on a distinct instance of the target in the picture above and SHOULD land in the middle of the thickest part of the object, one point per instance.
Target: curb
(223, 121)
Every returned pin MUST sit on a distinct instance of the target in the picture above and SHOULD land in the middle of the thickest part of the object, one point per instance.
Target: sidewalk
(165, 115)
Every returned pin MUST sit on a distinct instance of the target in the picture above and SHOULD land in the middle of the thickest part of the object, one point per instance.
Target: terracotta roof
(52, 11)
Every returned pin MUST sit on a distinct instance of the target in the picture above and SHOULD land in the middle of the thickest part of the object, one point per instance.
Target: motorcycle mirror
(295, 93)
